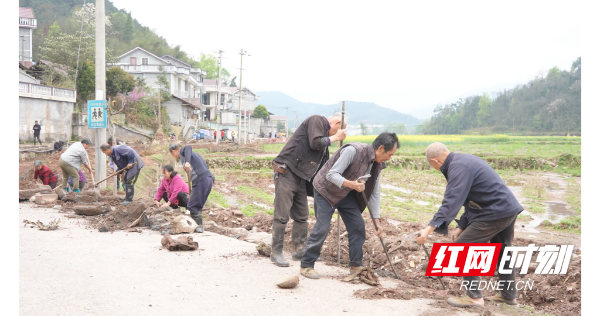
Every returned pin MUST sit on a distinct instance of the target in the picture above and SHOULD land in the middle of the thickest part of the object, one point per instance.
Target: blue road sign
(96, 113)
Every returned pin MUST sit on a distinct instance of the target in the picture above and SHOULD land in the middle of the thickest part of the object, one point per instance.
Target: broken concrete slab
(46, 198)
(181, 243)
(264, 249)
(257, 238)
(27, 194)
(91, 210)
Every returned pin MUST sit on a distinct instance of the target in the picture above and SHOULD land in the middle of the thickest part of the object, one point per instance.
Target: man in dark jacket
(490, 213)
(58, 145)
(124, 157)
(36, 132)
(201, 178)
(294, 168)
(337, 186)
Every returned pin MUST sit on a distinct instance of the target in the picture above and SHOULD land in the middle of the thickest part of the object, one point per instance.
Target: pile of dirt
(118, 219)
(27, 184)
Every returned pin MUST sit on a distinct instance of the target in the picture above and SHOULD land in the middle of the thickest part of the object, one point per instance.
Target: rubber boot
(129, 191)
(299, 235)
(277, 245)
(197, 217)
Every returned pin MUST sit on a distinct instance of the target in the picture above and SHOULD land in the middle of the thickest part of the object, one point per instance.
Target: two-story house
(186, 82)
(27, 23)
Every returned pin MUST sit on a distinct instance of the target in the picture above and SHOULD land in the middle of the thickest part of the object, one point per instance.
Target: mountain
(357, 112)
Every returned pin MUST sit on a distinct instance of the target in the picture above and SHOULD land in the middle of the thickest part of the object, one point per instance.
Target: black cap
(87, 141)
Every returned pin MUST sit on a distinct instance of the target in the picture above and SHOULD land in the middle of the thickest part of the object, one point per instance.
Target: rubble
(92, 210)
(53, 225)
(181, 243)
(289, 282)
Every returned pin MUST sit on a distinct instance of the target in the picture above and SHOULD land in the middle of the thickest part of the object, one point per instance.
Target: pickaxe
(417, 234)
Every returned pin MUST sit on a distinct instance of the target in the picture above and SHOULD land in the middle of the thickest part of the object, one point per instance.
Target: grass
(574, 195)
(524, 217)
(571, 224)
(535, 188)
(218, 198)
(256, 194)
(273, 148)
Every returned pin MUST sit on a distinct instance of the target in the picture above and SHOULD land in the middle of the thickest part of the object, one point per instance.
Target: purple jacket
(81, 178)
(172, 186)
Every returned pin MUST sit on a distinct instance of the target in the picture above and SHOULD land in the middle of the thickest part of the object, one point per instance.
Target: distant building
(185, 81)
(212, 103)
(27, 23)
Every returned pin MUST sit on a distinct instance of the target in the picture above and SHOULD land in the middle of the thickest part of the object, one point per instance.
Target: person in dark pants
(124, 157)
(201, 178)
(58, 145)
(36, 132)
(490, 213)
(172, 189)
(45, 174)
(293, 169)
(337, 186)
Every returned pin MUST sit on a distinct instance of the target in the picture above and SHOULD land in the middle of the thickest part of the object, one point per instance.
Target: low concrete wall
(130, 135)
(54, 116)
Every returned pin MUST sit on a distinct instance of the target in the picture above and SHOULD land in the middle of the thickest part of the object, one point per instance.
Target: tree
(280, 126)
(210, 64)
(54, 30)
(260, 111)
(363, 128)
(483, 114)
(118, 81)
(232, 82)
(164, 87)
(86, 82)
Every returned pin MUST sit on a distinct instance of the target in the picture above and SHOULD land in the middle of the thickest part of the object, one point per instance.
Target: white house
(210, 99)
(185, 81)
(27, 23)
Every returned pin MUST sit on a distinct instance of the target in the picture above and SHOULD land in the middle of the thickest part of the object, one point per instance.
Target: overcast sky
(401, 56)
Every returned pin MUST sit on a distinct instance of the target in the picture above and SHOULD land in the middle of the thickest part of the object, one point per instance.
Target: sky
(404, 56)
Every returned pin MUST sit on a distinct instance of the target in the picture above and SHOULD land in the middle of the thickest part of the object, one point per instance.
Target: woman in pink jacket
(172, 189)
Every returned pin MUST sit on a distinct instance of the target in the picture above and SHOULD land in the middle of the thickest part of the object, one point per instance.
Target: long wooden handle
(89, 163)
(112, 175)
(343, 112)
(189, 180)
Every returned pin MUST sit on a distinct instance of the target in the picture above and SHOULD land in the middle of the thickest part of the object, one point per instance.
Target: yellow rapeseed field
(420, 140)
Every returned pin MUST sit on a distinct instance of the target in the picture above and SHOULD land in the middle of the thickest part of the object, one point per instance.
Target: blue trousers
(200, 191)
(355, 225)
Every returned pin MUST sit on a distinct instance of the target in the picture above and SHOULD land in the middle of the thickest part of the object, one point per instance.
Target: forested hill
(550, 105)
(126, 32)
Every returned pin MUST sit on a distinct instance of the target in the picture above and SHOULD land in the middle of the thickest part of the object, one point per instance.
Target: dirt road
(77, 270)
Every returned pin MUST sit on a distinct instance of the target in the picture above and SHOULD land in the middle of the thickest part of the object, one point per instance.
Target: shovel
(417, 234)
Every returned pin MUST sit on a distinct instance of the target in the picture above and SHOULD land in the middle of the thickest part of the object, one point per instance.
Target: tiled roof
(26, 64)
(26, 13)
(183, 62)
(129, 52)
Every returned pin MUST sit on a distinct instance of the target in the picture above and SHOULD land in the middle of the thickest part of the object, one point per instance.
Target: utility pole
(242, 53)
(219, 96)
(100, 87)
(22, 47)
(286, 123)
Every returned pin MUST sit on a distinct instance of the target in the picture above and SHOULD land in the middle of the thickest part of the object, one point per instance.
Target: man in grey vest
(337, 186)
(294, 168)
(490, 213)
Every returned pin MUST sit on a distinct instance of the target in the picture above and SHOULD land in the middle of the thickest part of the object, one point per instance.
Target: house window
(144, 61)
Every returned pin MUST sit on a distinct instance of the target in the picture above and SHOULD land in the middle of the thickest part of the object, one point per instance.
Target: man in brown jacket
(294, 168)
(337, 186)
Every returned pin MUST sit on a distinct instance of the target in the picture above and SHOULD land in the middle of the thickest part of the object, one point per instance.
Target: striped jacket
(45, 174)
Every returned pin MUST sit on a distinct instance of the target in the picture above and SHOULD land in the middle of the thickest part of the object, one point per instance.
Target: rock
(155, 227)
(257, 238)
(264, 249)
(181, 243)
(27, 194)
(183, 224)
(289, 282)
(165, 232)
(91, 210)
(103, 229)
(237, 213)
(58, 207)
